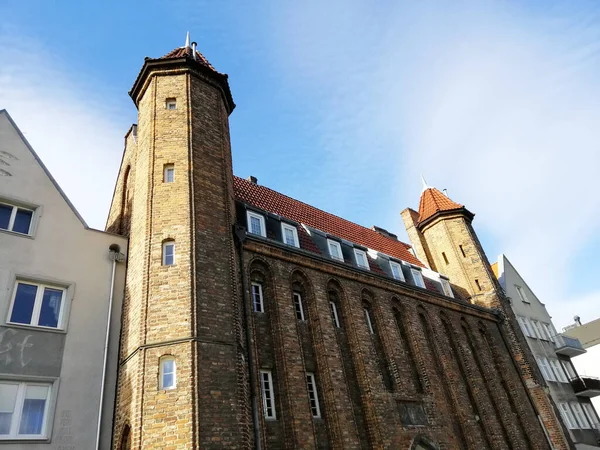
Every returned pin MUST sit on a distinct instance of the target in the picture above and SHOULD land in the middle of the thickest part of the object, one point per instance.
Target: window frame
(169, 168)
(357, 252)
(526, 326)
(417, 278)
(580, 416)
(571, 374)
(522, 294)
(567, 415)
(446, 288)
(590, 413)
(298, 305)
(368, 320)
(334, 314)
(545, 368)
(338, 246)
(261, 219)
(162, 373)
(399, 267)
(558, 370)
(271, 395)
(261, 297)
(538, 330)
(17, 413)
(170, 101)
(16, 206)
(166, 244)
(311, 382)
(37, 306)
(286, 226)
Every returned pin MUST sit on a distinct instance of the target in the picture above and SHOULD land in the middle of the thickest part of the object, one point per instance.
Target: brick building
(253, 320)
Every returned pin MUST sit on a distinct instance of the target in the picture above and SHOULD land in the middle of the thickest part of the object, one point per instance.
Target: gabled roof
(433, 201)
(272, 201)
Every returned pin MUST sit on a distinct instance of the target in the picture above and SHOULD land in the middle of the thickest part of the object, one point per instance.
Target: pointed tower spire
(425, 186)
(187, 40)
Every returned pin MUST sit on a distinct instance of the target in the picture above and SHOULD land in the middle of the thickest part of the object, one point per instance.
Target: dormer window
(361, 259)
(256, 224)
(446, 287)
(335, 250)
(171, 103)
(417, 278)
(396, 271)
(290, 234)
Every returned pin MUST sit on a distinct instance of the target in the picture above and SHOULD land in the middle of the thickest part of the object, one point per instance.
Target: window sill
(25, 440)
(16, 233)
(35, 327)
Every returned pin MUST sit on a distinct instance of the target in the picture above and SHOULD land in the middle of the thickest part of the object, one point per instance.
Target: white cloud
(66, 117)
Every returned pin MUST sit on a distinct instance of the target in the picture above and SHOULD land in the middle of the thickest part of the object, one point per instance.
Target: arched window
(167, 378)
(406, 345)
(125, 443)
(168, 252)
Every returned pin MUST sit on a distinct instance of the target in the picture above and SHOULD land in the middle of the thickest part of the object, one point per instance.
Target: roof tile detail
(433, 201)
(282, 205)
(183, 52)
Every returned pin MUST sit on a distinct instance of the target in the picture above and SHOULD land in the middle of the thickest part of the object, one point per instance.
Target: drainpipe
(240, 234)
(115, 255)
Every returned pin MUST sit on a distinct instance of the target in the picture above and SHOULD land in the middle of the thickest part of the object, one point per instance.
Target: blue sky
(343, 104)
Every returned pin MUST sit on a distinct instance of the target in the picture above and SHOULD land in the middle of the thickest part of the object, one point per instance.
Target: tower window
(312, 395)
(257, 297)
(298, 305)
(334, 314)
(462, 251)
(368, 319)
(361, 259)
(268, 397)
(171, 103)
(256, 224)
(335, 250)
(477, 283)
(445, 258)
(168, 253)
(169, 173)
(167, 376)
(290, 234)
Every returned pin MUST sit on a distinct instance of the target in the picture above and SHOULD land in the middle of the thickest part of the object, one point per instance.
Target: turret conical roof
(433, 201)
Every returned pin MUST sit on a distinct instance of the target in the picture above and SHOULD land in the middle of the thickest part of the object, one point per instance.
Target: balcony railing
(568, 346)
(586, 386)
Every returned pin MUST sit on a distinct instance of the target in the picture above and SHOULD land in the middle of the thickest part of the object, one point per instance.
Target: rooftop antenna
(187, 40)
(425, 187)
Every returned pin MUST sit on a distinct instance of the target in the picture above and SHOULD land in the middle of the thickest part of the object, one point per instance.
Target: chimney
(252, 179)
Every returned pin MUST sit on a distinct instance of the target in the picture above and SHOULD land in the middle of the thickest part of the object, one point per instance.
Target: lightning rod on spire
(425, 186)
(187, 40)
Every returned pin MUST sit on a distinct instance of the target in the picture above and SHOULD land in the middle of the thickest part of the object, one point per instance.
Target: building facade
(253, 320)
(553, 353)
(57, 278)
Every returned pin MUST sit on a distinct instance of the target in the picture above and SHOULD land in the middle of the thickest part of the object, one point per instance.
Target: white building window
(522, 294)
(171, 103)
(567, 415)
(24, 410)
(558, 371)
(169, 173)
(446, 287)
(526, 326)
(396, 271)
(579, 415)
(168, 256)
(312, 395)
(335, 250)
(334, 314)
(257, 297)
(290, 234)
(549, 331)
(167, 375)
(37, 304)
(545, 369)
(538, 330)
(591, 414)
(368, 319)
(268, 396)
(256, 224)
(361, 259)
(568, 366)
(15, 218)
(417, 278)
(298, 305)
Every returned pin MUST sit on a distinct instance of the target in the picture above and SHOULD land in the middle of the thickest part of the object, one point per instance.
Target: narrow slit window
(268, 397)
(334, 314)
(477, 283)
(257, 297)
(462, 250)
(298, 306)
(167, 376)
(445, 258)
(368, 319)
(169, 173)
(171, 103)
(312, 395)
(169, 253)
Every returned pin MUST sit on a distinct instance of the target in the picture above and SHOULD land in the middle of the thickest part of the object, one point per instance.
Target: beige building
(57, 281)
(553, 352)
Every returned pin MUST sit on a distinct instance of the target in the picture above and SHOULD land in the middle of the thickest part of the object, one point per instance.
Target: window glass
(8, 398)
(167, 373)
(334, 314)
(5, 213)
(34, 406)
(418, 278)
(22, 221)
(169, 175)
(396, 271)
(312, 395)
(298, 305)
(22, 311)
(169, 254)
(335, 251)
(368, 319)
(446, 287)
(257, 297)
(579, 415)
(361, 259)
(266, 384)
(256, 224)
(50, 310)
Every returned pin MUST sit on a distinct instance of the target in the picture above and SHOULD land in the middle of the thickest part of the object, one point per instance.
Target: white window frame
(334, 314)
(171, 102)
(591, 414)
(580, 416)
(558, 371)
(336, 244)
(548, 330)
(446, 287)
(417, 277)
(162, 373)
(37, 306)
(545, 369)
(569, 369)
(567, 415)
(313, 396)
(260, 303)
(397, 266)
(526, 326)
(368, 319)
(538, 329)
(298, 305)
(169, 169)
(164, 252)
(13, 215)
(18, 411)
(267, 393)
(522, 294)
(361, 253)
(294, 230)
(261, 219)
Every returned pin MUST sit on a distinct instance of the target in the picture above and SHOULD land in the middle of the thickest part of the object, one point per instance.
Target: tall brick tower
(181, 379)
(443, 237)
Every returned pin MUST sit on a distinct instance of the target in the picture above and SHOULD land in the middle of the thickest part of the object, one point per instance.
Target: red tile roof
(182, 52)
(433, 201)
(282, 205)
